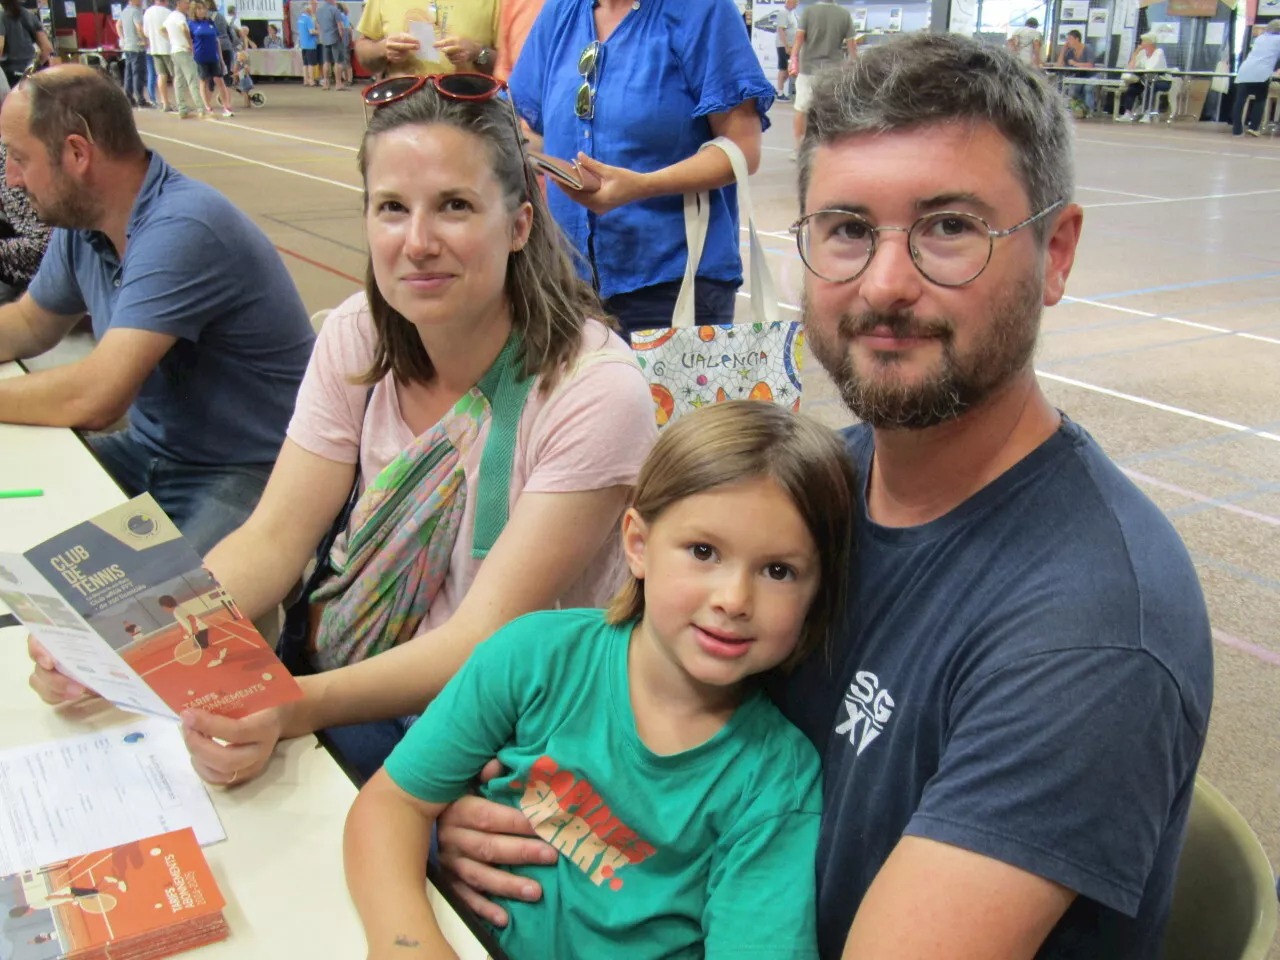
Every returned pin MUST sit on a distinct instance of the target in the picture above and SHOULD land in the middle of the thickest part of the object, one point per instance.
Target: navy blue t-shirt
(196, 268)
(1029, 678)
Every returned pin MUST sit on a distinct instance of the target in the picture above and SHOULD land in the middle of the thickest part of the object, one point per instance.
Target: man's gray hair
(925, 79)
(1273, 26)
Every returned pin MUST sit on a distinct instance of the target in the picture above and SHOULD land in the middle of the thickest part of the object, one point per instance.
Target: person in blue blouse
(631, 90)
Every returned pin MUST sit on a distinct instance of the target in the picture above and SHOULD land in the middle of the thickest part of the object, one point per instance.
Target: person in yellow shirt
(465, 30)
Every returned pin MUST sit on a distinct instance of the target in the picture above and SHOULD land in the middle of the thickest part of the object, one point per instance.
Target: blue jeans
(206, 503)
(135, 76)
(1088, 93)
(151, 78)
(650, 308)
(361, 748)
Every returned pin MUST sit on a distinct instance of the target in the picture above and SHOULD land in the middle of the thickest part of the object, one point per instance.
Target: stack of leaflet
(137, 901)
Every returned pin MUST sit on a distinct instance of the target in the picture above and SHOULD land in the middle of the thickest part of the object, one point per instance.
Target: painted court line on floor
(316, 263)
(1267, 275)
(1123, 193)
(1149, 146)
(1261, 653)
(1109, 306)
(287, 136)
(256, 163)
(1207, 196)
(1156, 405)
(226, 164)
(1167, 319)
(1214, 502)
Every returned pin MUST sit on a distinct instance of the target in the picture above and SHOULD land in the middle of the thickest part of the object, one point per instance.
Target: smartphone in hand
(567, 173)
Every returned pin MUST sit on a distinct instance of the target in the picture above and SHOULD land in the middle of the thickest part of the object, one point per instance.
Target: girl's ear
(635, 534)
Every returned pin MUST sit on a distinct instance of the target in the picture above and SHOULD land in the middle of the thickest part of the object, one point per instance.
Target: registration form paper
(66, 798)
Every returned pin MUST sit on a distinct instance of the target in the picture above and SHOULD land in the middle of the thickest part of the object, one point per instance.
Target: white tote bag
(688, 366)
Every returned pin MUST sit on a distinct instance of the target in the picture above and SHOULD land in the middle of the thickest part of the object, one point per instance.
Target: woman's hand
(400, 47)
(459, 50)
(53, 686)
(226, 751)
(618, 186)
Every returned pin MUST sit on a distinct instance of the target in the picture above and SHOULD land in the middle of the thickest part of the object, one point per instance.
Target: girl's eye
(702, 552)
(779, 572)
(391, 206)
(457, 205)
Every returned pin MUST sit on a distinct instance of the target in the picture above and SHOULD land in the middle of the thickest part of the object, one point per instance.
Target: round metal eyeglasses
(948, 247)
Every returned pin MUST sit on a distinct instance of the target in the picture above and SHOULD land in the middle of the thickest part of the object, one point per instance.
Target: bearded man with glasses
(1012, 716)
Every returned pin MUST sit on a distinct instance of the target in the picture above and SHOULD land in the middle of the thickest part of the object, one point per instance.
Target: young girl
(636, 740)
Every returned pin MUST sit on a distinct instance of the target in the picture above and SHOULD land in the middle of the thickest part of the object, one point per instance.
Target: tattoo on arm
(403, 941)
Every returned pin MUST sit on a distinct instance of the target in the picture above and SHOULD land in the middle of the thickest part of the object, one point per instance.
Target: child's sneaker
(228, 113)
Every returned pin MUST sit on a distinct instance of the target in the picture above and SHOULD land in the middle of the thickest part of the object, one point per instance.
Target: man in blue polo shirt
(202, 337)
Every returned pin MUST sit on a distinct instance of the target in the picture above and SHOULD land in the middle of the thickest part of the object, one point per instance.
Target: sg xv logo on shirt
(869, 709)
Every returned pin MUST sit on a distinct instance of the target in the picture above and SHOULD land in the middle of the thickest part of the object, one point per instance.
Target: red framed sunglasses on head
(453, 86)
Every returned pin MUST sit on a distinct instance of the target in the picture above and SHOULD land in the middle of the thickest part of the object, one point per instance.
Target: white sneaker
(1146, 118)
(1124, 118)
(228, 113)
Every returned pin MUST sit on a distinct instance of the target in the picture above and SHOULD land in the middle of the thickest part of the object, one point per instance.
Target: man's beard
(69, 206)
(958, 383)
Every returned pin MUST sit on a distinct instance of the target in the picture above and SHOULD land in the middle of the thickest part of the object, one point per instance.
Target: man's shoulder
(1062, 553)
(194, 216)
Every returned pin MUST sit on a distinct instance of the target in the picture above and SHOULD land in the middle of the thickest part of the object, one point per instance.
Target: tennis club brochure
(137, 901)
(128, 610)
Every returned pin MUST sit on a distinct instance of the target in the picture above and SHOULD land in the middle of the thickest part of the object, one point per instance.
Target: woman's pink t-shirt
(592, 431)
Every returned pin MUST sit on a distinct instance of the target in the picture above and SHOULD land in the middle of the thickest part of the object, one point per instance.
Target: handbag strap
(697, 215)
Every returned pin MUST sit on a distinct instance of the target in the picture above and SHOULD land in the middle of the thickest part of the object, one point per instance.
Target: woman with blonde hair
(206, 49)
(464, 442)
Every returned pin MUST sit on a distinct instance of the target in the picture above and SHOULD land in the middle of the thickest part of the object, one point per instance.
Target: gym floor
(1167, 349)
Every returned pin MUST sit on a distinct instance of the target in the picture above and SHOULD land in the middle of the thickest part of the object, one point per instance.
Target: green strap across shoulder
(506, 393)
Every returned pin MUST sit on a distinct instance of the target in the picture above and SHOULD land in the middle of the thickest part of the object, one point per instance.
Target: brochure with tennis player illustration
(146, 899)
(125, 606)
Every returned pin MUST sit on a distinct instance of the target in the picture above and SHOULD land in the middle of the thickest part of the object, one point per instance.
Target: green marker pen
(18, 494)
